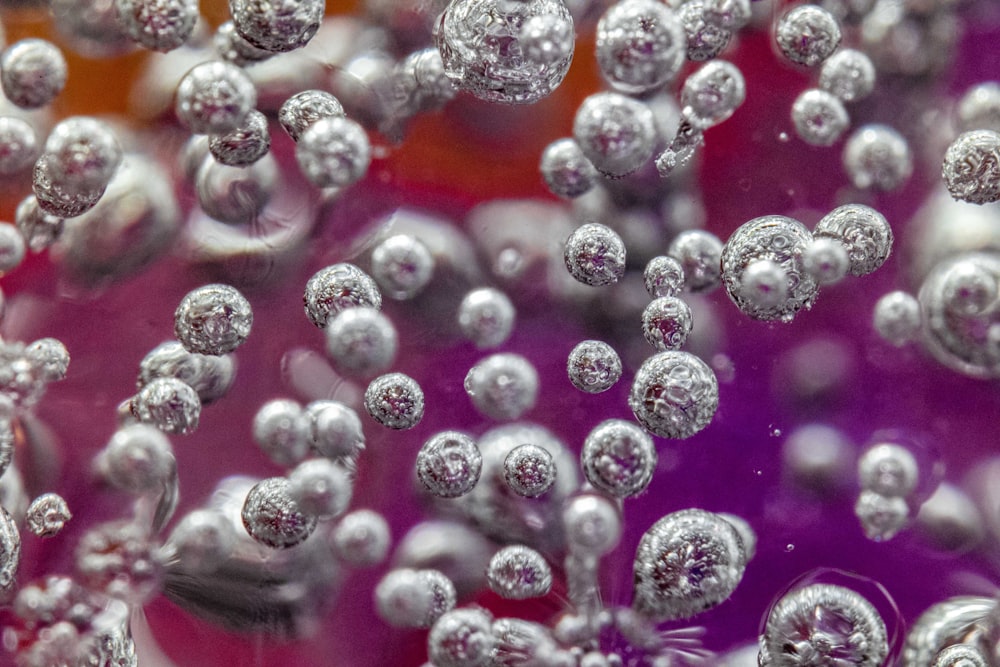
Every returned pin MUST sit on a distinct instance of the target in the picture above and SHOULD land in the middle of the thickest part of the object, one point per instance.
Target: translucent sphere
(897, 317)
(877, 156)
(461, 638)
(32, 72)
(301, 110)
(361, 538)
(277, 25)
(408, 598)
(361, 341)
(712, 94)
(320, 488)
(593, 525)
(333, 152)
(979, 108)
(213, 319)
(808, 35)
(971, 167)
(864, 233)
(888, 469)
(705, 40)
(231, 46)
(595, 255)
(826, 260)
(663, 276)
(502, 386)
(168, 404)
(47, 514)
(137, 459)
(518, 572)
(674, 395)
(618, 458)
(667, 323)
(402, 266)
(336, 288)
(209, 375)
(566, 170)
(244, 145)
(334, 430)
(593, 366)
(449, 464)
(202, 540)
(849, 75)
(19, 146)
(83, 154)
(56, 197)
(497, 59)
(700, 255)
(272, 518)
(529, 470)
(395, 401)
(881, 517)
(827, 622)
(640, 45)
(616, 133)
(687, 562)
(162, 25)
(215, 97)
(756, 287)
(819, 117)
(960, 655)
(49, 358)
(486, 317)
(281, 430)
(728, 14)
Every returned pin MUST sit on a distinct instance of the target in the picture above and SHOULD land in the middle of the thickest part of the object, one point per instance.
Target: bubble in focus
(32, 72)
(333, 152)
(593, 366)
(674, 395)
(277, 25)
(618, 458)
(215, 97)
(361, 341)
(529, 470)
(712, 94)
(159, 25)
(486, 317)
(47, 515)
(395, 401)
(168, 404)
(687, 562)
(640, 45)
(808, 35)
(488, 57)
(83, 154)
(849, 75)
(971, 167)
(877, 156)
(705, 40)
(503, 386)
(616, 133)
(667, 323)
(826, 622)
(566, 170)
(595, 255)
(244, 145)
(213, 319)
(272, 518)
(402, 266)
(663, 276)
(301, 110)
(864, 232)
(461, 638)
(819, 117)
(897, 317)
(769, 246)
(336, 288)
(449, 464)
(518, 572)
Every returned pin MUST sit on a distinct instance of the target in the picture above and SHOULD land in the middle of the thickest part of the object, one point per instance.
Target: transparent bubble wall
(500, 332)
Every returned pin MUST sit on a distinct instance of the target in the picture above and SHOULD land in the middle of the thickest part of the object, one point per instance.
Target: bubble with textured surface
(461, 638)
(159, 25)
(663, 276)
(10, 552)
(213, 319)
(971, 167)
(395, 401)
(277, 25)
(449, 464)
(712, 94)
(674, 395)
(272, 518)
(865, 233)
(687, 562)
(245, 144)
(47, 514)
(618, 458)
(640, 45)
(518, 572)
(333, 152)
(566, 170)
(301, 110)
(808, 35)
(215, 97)
(337, 287)
(169, 404)
(819, 117)
(827, 622)
(209, 375)
(481, 46)
(595, 255)
(593, 366)
(705, 40)
(667, 323)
